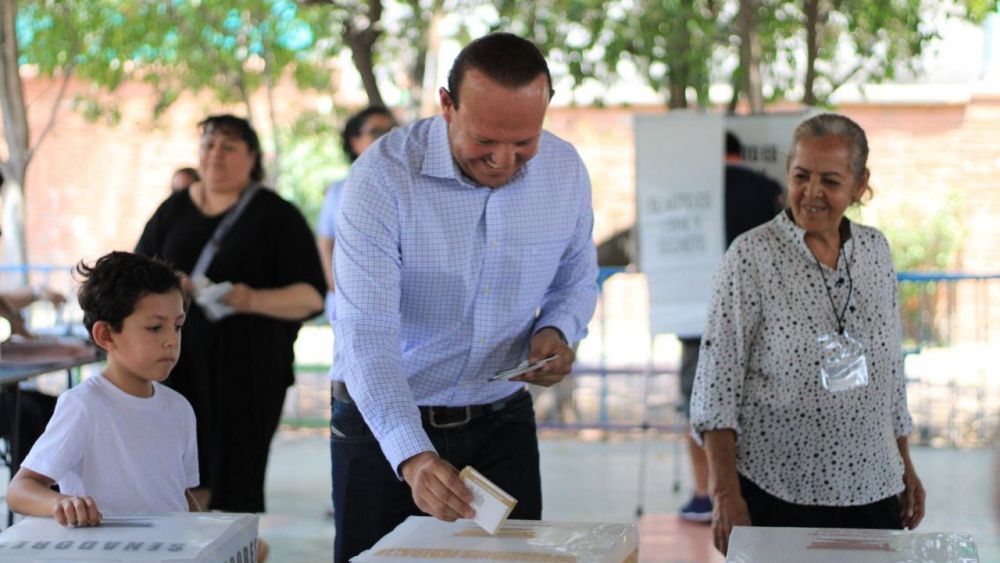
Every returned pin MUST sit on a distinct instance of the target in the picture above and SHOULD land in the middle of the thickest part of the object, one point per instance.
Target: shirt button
(482, 340)
(493, 243)
(486, 290)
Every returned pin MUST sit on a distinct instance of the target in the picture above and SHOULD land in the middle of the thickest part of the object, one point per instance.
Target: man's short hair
(505, 58)
(733, 145)
(117, 281)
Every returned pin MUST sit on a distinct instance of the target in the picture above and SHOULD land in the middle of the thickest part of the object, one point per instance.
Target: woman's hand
(241, 298)
(728, 510)
(911, 500)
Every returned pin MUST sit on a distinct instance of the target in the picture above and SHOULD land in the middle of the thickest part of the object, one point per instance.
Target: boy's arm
(31, 493)
(193, 504)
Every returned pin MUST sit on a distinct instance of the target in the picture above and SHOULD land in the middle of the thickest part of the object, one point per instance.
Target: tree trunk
(679, 71)
(275, 167)
(811, 10)
(429, 85)
(362, 43)
(750, 55)
(17, 135)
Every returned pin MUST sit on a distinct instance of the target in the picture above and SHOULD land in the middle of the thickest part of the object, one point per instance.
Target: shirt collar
(798, 235)
(439, 163)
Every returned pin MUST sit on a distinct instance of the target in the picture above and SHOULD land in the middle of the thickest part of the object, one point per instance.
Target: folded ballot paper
(491, 503)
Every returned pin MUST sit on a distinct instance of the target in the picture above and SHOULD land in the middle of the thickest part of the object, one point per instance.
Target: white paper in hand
(209, 296)
(491, 503)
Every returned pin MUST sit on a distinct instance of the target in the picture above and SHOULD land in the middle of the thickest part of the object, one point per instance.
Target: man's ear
(447, 106)
(103, 335)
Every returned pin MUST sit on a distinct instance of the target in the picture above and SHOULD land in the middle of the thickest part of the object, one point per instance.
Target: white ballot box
(422, 538)
(823, 545)
(175, 538)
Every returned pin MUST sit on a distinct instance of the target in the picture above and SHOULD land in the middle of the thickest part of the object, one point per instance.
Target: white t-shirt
(132, 454)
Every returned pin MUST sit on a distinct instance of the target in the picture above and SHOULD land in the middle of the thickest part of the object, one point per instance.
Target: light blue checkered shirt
(441, 282)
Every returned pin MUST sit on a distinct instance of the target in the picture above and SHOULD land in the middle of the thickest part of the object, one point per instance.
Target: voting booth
(183, 537)
(422, 538)
(680, 203)
(828, 545)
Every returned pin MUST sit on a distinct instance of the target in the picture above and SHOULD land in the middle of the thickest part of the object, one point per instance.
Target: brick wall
(91, 187)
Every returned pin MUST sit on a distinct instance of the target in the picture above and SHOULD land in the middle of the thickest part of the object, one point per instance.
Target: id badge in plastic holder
(843, 366)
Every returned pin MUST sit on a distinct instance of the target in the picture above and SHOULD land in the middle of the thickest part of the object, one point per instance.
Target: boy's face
(149, 343)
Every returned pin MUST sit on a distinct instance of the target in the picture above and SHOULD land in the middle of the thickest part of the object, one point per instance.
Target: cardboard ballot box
(823, 545)
(422, 538)
(175, 538)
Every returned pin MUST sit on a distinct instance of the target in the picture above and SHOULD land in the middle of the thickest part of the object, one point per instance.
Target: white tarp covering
(422, 538)
(816, 545)
(680, 203)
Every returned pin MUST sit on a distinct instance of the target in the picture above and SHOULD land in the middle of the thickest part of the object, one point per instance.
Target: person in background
(463, 247)
(12, 301)
(751, 198)
(257, 277)
(183, 178)
(800, 396)
(361, 130)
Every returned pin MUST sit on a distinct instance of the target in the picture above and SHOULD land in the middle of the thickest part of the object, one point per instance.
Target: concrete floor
(959, 485)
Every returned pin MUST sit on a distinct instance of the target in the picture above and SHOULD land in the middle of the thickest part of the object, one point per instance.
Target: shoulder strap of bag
(213, 244)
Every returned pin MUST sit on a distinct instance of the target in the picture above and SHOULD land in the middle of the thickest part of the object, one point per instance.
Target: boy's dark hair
(352, 129)
(117, 281)
(240, 128)
(507, 59)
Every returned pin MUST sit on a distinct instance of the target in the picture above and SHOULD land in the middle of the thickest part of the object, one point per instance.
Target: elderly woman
(799, 395)
(255, 275)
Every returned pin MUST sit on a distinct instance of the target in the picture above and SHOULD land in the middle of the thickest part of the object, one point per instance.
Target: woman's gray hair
(826, 124)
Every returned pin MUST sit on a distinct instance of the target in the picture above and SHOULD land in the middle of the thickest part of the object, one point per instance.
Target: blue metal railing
(603, 374)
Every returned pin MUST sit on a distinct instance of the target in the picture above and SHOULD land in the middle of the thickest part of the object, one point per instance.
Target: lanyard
(850, 289)
(213, 244)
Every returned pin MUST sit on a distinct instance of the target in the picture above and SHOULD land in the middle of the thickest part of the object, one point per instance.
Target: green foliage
(311, 159)
(925, 236)
(231, 48)
(669, 42)
(690, 44)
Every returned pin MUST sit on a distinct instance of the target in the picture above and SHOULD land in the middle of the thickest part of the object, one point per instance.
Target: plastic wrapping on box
(821, 545)
(169, 538)
(422, 538)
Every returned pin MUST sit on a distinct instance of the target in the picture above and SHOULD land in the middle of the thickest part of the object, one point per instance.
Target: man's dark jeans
(370, 501)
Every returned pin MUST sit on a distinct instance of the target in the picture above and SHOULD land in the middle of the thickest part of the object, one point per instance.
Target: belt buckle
(446, 425)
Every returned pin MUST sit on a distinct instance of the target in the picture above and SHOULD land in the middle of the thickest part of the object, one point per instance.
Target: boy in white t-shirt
(119, 442)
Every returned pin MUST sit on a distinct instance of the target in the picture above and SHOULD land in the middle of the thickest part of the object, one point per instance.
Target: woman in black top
(235, 370)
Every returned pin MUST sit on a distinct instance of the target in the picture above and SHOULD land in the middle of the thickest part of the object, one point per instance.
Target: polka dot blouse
(759, 374)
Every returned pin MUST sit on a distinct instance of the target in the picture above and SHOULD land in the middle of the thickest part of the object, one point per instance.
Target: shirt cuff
(402, 443)
(565, 324)
(555, 328)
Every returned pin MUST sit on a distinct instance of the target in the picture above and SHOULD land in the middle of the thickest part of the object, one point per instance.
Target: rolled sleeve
(734, 317)
(902, 422)
(571, 298)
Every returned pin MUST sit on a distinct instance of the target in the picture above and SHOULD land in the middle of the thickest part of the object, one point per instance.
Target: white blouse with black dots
(758, 371)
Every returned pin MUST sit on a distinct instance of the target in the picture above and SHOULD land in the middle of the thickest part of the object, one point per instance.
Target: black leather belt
(442, 417)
